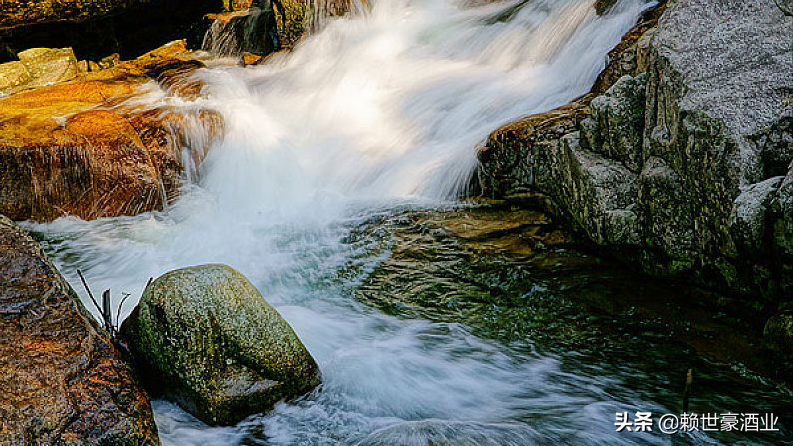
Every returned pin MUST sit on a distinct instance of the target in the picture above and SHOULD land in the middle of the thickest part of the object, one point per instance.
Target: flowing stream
(376, 115)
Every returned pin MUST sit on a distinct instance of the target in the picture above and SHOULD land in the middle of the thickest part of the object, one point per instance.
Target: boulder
(62, 381)
(205, 337)
(64, 151)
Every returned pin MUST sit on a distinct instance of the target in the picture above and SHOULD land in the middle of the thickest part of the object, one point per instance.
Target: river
(370, 121)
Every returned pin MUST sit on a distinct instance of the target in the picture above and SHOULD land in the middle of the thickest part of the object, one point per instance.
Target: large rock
(61, 379)
(706, 121)
(63, 151)
(515, 155)
(205, 337)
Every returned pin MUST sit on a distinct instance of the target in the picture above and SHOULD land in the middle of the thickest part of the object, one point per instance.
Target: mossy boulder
(205, 337)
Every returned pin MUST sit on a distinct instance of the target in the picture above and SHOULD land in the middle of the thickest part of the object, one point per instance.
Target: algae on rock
(205, 337)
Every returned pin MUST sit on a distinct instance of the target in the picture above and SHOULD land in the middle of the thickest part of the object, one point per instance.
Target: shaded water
(326, 149)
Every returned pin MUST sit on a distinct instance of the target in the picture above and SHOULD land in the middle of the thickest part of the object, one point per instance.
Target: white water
(373, 112)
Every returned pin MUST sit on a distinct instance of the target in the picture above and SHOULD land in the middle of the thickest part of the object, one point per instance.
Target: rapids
(374, 114)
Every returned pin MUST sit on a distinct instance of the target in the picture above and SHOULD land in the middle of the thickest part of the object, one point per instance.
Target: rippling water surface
(374, 116)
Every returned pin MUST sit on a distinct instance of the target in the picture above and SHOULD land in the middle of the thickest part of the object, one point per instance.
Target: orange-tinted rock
(61, 379)
(251, 59)
(71, 149)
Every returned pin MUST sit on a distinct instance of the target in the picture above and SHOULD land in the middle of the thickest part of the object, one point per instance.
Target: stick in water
(88, 290)
(107, 313)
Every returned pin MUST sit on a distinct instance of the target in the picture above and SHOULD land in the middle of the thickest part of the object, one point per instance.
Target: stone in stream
(62, 381)
(205, 337)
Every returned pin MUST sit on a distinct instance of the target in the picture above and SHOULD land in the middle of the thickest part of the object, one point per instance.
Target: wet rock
(604, 6)
(782, 232)
(251, 59)
(517, 153)
(109, 61)
(300, 16)
(709, 129)
(249, 31)
(21, 13)
(61, 379)
(750, 213)
(205, 337)
(65, 151)
(628, 57)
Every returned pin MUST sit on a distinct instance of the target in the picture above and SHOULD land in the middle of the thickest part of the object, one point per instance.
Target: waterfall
(393, 104)
(374, 112)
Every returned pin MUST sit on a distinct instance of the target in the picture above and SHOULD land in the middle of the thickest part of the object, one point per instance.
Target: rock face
(96, 29)
(248, 31)
(685, 161)
(205, 337)
(72, 149)
(21, 13)
(299, 16)
(61, 379)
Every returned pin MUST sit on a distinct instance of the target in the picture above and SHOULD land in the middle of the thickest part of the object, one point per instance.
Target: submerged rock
(61, 379)
(205, 337)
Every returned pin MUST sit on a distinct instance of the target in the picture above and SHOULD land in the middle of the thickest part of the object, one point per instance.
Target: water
(373, 115)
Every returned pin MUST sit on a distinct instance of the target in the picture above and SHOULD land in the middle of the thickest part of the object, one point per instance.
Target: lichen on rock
(206, 338)
(705, 122)
(62, 380)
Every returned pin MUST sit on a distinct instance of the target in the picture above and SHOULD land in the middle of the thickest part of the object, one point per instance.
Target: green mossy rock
(205, 337)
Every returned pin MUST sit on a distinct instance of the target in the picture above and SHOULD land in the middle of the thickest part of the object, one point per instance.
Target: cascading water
(378, 111)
